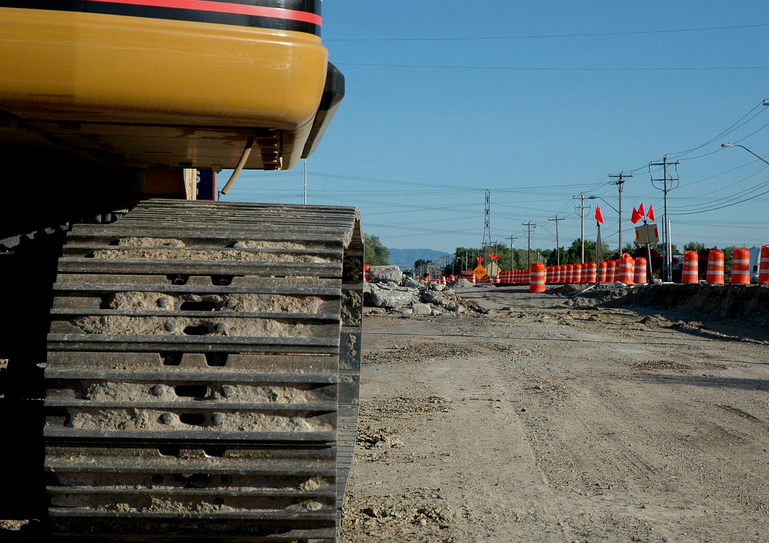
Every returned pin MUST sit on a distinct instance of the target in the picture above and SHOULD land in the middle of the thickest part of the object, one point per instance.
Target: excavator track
(203, 372)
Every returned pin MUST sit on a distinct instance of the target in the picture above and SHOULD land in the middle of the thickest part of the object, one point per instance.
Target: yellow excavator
(172, 368)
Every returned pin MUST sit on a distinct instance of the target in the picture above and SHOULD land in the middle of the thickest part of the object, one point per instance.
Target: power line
(552, 69)
(739, 123)
(551, 36)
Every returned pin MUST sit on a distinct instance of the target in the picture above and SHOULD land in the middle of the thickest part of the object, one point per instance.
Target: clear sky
(539, 102)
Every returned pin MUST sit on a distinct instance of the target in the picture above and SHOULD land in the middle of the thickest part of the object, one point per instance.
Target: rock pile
(389, 290)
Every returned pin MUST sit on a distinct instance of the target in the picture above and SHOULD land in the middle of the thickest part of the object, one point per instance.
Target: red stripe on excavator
(224, 7)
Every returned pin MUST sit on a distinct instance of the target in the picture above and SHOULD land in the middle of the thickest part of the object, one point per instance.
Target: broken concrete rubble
(412, 297)
(390, 295)
(386, 274)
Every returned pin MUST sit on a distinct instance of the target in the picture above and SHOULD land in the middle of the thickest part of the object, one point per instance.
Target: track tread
(149, 437)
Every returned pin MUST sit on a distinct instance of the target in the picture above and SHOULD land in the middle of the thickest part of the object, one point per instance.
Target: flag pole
(598, 246)
(649, 256)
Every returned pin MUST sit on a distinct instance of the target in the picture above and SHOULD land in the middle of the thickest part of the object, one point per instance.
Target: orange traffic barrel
(690, 270)
(715, 267)
(611, 269)
(537, 278)
(591, 274)
(602, 272)
(626, 271)
(578, 273)
(763, 267)
(640, 271)
(740, 267)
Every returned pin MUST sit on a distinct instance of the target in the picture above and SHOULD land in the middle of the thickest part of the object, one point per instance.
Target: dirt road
(551, 421)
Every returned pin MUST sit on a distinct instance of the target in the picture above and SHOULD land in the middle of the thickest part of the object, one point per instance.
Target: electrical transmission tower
(486, 223)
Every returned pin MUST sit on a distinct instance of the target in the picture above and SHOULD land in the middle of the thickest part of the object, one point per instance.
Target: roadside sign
(647, 234)
(492, 269)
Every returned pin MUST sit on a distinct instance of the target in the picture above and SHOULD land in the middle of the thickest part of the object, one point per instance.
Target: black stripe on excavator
(296, 15)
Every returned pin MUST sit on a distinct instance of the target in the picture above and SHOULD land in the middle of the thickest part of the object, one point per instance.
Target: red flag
(641, 210)
(636, 217)
(650, 214)
(598, 215)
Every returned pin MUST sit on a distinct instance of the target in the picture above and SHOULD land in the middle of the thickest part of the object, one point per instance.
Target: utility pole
(512, 253)
(666, 225)
(620, 180)
(530, 225)
(305, 181)
(581, 197)
(557, 243)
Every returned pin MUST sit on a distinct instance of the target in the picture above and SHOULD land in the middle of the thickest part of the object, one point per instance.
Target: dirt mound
(744, 302)
(732, 310)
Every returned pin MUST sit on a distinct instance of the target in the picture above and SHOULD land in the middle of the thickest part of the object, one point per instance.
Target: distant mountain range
(405, 258)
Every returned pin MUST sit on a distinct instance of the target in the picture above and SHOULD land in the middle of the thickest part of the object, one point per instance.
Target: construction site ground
(599, 415)
(613, 415)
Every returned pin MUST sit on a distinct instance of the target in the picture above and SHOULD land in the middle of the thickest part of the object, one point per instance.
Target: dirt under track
(554, 419)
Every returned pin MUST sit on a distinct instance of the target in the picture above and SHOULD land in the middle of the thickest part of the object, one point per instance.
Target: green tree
(694, 246)
(574, 253)
(466, 258)
(728, 258)
(374, 252)
(635, 247)
(423, 267)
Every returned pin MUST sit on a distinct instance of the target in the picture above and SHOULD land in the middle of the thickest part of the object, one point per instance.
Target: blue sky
(538, 103)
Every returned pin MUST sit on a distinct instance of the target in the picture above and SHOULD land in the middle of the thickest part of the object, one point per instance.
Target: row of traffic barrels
(626, 269)
(633, 271)
(715, 273)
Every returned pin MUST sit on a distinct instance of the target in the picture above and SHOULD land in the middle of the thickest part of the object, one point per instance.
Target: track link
(203, 372)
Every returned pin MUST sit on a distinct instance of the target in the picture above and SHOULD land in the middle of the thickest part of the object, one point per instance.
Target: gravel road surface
(550, 419)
